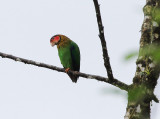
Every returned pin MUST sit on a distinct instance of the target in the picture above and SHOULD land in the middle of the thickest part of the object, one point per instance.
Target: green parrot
(69, 54)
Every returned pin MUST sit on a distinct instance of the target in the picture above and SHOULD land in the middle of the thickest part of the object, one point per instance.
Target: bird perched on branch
(69, 54)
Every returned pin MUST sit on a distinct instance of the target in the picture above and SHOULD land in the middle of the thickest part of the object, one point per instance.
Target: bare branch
(103, 42)
(115, 82)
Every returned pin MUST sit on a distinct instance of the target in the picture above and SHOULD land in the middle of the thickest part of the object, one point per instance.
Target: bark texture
(141, 92)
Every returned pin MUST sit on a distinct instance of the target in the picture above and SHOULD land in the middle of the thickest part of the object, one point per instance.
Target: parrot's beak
(52, 44)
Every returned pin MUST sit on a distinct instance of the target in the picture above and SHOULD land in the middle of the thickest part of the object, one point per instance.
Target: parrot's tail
(73, 77)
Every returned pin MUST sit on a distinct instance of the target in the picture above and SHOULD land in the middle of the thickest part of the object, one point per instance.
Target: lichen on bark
(141, 92)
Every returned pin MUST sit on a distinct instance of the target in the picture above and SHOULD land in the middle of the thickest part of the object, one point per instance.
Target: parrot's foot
(66, 70)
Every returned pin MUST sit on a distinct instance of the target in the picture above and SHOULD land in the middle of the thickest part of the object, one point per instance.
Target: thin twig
(103, 42)
(115, 82)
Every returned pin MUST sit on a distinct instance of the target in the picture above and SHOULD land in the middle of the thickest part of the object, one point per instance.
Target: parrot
(69, 54)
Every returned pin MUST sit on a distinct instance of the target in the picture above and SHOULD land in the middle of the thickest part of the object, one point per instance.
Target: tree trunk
(141, 92)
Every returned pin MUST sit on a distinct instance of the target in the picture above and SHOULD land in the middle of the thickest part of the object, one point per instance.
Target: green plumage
(69, 55)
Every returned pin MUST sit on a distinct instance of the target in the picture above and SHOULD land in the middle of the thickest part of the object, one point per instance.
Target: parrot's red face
(54, 40)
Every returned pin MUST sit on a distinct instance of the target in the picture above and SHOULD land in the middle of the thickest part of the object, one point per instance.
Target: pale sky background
(29, 92)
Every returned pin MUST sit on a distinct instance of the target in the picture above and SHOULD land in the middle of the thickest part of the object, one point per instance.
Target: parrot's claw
(66, 70)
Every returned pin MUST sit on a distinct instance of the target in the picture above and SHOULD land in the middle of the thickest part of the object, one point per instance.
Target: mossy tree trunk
(141, 92)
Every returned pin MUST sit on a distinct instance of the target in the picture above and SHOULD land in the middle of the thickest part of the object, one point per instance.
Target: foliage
(152, 50)
(131, 55)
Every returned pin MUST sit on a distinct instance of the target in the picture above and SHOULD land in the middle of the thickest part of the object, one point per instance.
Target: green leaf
(131, 55)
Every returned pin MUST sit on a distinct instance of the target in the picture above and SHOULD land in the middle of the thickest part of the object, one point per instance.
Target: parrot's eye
(51, 40)
(55, 39)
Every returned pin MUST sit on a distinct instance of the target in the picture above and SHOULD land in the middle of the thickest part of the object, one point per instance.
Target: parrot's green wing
(75, 56)
(70, 58)
(75, 63)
